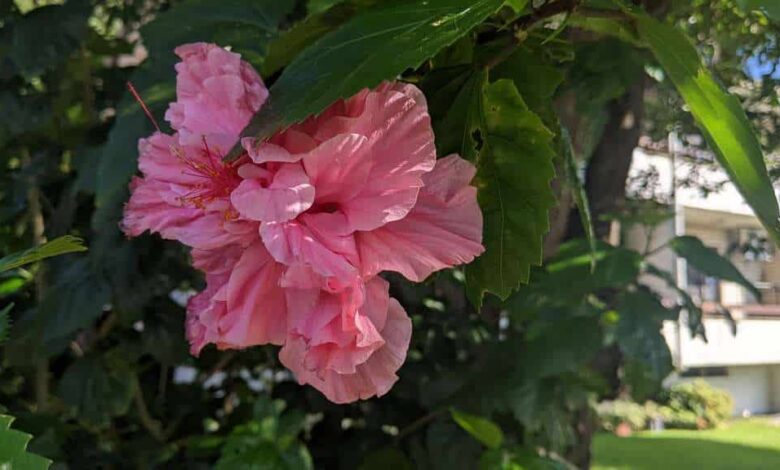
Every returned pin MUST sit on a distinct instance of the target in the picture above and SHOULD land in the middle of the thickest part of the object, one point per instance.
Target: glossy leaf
(482, 429)
(455, 97)
(514, 173)
(719, 115)
(709, 262)
(13, 449)
(577, 187)
(56, 247)
(376, 44)
(323, 18)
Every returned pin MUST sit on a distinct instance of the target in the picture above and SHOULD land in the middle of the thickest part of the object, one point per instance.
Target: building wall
(757, 342)
(751, 387)
(774, 387)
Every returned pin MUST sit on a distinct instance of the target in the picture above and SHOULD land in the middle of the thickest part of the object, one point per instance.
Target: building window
(703, 287)
(705, 372)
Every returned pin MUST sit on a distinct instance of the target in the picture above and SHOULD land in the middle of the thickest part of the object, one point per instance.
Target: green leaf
(13, 449)
(270, 440)
(513, 178)
(482, 429)
(323, 19)
(96, 390)
(639, 336)
(535, 77)
(695, 314)
(578, 191)
(606, 26)
(455, 97)
(562, 346)
(771, 8)
(247, 27)
(65, 27)
(56, 247)
(720, 116)
(519, 459)
(709, 262)
(449, 447)
(5, 322)
(376, 44)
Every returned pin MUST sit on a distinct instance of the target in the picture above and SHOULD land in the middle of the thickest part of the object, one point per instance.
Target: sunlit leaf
(482, 429)
(719, 115)
(709, 262)
(58, 246)
(514, 173)
(13, 449)
(374, 45)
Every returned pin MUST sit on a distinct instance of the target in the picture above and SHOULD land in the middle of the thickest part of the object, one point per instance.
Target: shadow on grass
(646, 453)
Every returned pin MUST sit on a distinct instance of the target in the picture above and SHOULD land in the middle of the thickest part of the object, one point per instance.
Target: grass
(743, 444)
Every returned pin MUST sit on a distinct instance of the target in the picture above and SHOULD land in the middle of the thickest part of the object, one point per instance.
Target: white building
(746, 364)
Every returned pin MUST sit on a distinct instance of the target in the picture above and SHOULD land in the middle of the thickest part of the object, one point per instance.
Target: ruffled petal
(256, 305)
(262, 152)
(339, 168)
(373, 377)
(298, 243)
(288, 194)
(443, 230)
(372, 152)
(148, 210)
(204, 312)
(216, 91)
(217, 261)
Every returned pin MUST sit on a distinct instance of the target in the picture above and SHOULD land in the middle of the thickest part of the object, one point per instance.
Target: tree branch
(524, 23)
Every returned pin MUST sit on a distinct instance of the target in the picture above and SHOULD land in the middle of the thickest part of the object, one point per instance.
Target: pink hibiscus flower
(185, 191)
(293, 235)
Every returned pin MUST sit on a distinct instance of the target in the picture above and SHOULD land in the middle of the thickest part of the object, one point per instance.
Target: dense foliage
(508, 356)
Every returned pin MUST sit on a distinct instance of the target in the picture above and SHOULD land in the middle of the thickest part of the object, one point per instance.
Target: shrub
(709, 405)
(612, 413)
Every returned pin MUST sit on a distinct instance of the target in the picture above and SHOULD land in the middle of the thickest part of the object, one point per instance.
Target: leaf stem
(524, 23)
(147, 421)
(418, 423)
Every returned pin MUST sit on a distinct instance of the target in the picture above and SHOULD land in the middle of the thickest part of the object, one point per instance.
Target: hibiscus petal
(374, 377)
(261, 152)
(338, 168)
(256, 306)
(204, 312)
(377, 181)
(217, 261)
(147, 210)
(216, 91)
(443, 230)
(338, 328)
(293, 243)
(289, 194)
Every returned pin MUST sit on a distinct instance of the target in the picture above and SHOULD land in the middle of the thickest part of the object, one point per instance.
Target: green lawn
(743, 444)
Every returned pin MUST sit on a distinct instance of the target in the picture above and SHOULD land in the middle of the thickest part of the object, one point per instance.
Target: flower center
(218, 179)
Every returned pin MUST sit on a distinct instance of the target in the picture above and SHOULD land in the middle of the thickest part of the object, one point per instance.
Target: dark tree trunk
(605, 184)
(605, 177)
